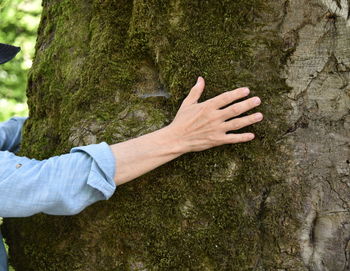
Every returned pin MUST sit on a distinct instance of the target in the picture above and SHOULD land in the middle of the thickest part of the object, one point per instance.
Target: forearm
(196, 127)
(140, 155)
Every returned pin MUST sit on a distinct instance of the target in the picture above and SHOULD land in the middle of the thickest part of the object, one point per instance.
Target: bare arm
(196, 127)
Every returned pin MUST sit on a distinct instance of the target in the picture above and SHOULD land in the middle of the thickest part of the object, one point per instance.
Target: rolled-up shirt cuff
(101, 176)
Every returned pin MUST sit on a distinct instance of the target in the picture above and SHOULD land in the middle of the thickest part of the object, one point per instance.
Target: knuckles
(234, 111)
(227, 97)
(213, 139)
(234, 125)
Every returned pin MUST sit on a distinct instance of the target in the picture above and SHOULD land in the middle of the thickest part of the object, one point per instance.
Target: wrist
(173, 139)
(139, 155)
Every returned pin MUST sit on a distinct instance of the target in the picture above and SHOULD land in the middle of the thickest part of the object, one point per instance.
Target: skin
(196, 127)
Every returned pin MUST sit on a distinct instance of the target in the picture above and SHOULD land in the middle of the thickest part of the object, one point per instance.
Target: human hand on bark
(200, 126)
(196, 127)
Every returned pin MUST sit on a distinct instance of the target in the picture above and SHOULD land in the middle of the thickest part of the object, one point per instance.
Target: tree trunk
(116, 69)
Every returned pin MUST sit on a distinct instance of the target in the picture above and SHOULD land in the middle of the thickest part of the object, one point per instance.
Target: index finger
(228, 97)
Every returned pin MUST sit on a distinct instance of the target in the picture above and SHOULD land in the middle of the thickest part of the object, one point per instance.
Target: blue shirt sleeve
(60, 185)
(10, 133)
(3, 256)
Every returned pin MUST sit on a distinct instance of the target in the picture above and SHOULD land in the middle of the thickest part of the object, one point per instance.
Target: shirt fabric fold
(60, 185)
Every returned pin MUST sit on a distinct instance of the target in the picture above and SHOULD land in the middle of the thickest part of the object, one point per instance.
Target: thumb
(195, 92)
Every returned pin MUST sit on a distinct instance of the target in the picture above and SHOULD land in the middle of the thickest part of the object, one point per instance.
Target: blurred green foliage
(19, 20)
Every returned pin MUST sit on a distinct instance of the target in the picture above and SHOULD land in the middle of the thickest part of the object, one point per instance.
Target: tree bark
(116, 69)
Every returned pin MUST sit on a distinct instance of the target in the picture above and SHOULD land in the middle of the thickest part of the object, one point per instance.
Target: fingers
(195, 92)
(238, 138)
(228, 97)
(239, 108)
(239, 123)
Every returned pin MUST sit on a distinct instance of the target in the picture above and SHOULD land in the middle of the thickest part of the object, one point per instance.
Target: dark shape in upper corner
(7, 52)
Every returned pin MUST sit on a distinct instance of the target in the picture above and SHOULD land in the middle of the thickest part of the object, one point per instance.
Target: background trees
(111, 70)
(18, 26)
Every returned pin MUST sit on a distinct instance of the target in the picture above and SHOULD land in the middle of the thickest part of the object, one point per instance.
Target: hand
(196, 127)
(200, 126)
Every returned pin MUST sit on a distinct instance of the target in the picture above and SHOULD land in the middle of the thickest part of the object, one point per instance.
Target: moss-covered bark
(115, 69)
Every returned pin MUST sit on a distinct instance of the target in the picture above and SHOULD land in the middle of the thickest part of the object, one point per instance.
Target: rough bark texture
(115, 69)
(318, 72)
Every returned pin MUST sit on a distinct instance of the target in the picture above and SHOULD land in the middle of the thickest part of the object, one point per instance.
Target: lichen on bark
(112, 70)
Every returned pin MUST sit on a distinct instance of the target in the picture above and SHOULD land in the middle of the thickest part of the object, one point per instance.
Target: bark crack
(345, 204)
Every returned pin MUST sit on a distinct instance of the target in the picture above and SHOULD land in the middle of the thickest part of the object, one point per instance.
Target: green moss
(195, 213)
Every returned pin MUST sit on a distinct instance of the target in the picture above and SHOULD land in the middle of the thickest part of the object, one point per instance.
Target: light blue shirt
(60, 185)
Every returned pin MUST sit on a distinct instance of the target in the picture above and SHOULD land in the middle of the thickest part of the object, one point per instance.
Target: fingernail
(246, 91)
(199, 77)
(257, 100)
(251, 136)
(259, 116)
